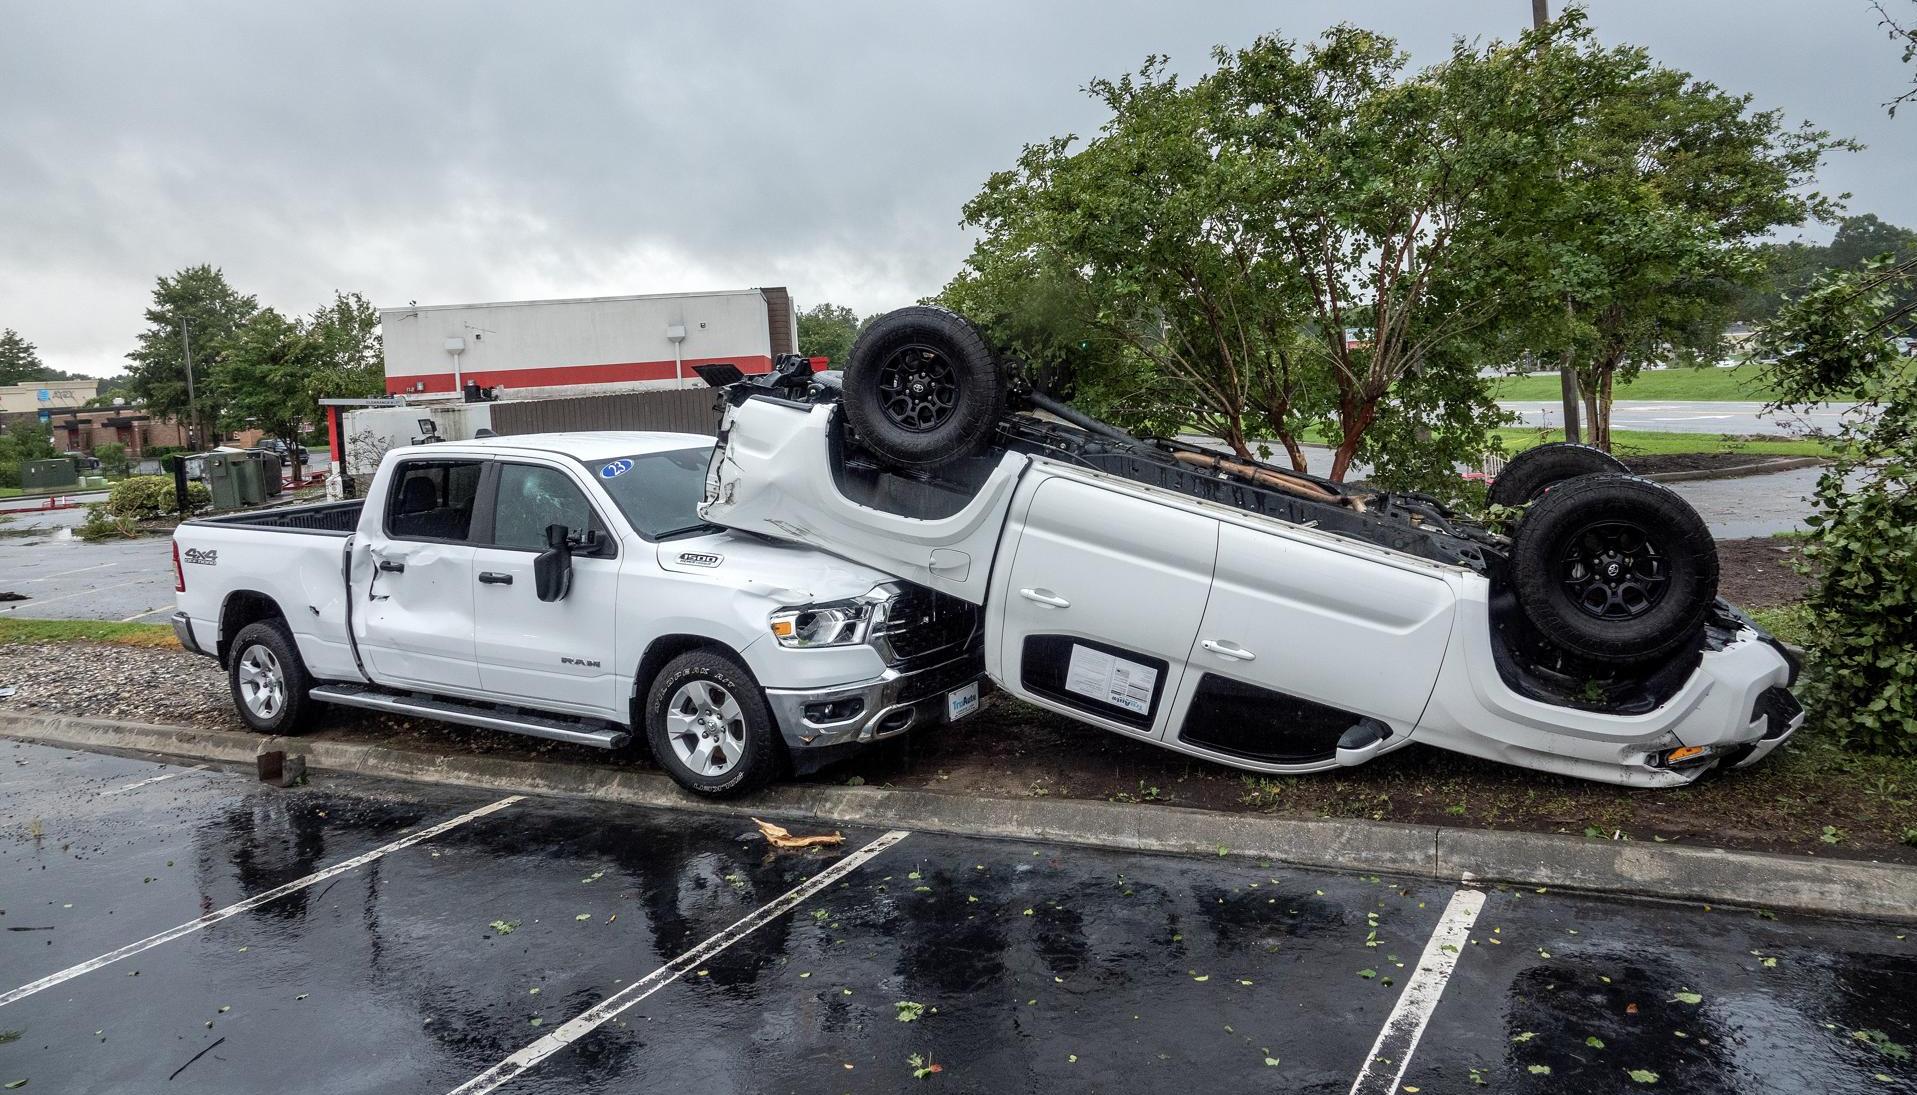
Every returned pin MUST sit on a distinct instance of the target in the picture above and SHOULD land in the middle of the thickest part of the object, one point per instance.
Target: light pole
(192, 406)
(1567, 376)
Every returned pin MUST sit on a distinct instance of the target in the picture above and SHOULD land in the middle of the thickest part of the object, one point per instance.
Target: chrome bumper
(183, 631)
(883, 707)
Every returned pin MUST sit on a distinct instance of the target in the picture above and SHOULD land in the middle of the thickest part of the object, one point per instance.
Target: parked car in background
(83, 462)
(279, 448)
(565, 587)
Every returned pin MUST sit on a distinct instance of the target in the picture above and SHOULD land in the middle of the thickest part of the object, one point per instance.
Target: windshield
(658, 492)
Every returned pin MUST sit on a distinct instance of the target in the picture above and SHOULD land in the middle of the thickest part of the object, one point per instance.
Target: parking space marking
(37, 602)
(1391, 1053)
(64, 573)
(250, 903)
(153, 779)
(597, 1016)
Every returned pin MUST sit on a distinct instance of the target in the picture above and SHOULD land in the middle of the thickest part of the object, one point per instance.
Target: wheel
(709, 728)
(1614, 569)
(1534, 471)
(922, 386)
(268, 679)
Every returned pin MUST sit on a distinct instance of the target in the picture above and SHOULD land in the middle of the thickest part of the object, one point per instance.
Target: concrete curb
(1738, 471)
(1669, 871)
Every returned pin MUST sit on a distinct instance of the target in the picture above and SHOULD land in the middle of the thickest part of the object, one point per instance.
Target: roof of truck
(603, 445)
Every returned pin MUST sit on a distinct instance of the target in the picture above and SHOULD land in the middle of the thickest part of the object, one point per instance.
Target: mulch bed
(1761, 572)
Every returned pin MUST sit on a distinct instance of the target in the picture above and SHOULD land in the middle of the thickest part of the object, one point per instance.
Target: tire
(739, 751)
(268, 680)
(1614, 570)
(1534, 471)
(922, 386)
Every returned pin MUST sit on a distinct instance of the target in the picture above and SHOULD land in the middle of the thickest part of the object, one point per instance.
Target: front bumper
(883, 707)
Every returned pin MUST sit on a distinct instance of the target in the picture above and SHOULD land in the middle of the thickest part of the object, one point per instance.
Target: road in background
(1017, 967)
(66, 578)
(1692, 416)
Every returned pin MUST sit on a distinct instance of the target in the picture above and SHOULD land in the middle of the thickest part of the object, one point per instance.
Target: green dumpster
(246, 470)
(222, 479)
(270, 477)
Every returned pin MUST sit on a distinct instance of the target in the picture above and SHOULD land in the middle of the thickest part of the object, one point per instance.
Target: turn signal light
(782, 629)
(1684, 753)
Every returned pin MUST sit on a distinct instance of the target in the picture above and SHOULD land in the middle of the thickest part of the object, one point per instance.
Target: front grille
(942, 678)
(1778, 706)
(920, 622)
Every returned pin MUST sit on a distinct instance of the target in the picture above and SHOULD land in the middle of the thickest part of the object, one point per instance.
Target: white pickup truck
(1252, 615)
(564, 586)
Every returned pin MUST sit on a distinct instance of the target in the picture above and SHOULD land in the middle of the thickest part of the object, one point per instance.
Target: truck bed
(324, 518)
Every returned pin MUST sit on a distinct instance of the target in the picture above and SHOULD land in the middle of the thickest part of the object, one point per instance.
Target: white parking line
(594, 1017)
(250, 903)
(154, 779)
(38, 601)
(143, 615)
(64, 573)
(1391, 1053)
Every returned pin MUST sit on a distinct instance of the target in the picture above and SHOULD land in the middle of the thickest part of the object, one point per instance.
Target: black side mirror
(552, 570)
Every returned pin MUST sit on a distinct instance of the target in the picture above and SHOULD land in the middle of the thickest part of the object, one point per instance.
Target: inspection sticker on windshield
(615, 469)
(1110, 678)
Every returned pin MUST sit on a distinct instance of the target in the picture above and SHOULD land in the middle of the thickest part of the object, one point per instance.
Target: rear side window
(532, 497)
(433, 500)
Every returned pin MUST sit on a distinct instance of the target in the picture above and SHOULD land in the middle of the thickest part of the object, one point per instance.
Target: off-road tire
(941, 352)
(259, 645)
(1582, 584)
(762, 754)
(1534, 471)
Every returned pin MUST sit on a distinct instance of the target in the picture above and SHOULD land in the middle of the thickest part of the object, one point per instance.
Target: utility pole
(1567, 376)
(192, 407)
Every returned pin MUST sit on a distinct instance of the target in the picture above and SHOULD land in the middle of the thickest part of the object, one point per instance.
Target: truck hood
(789, 574)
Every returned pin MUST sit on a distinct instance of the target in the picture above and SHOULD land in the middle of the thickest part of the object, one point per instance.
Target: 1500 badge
(204, 558)
(700, 559)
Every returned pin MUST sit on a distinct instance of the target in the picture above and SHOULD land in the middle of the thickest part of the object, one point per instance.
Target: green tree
(347, 360)
(261, 372)
(1791, 267)
(19, 359)
(211, 310)
(1830, 344)
(827, 330)
(1663, 187)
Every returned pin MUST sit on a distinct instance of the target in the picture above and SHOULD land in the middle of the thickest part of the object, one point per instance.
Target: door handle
(1228, 650)
(391, 567)
(1045, 597)
(494, 578)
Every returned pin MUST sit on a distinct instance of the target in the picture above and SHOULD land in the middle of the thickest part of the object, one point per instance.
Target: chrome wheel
(262, 683)
(706, 727)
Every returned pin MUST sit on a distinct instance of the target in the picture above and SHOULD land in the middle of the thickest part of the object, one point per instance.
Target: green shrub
(1863, 607)
(112, 457)
(101, 525)
(9, 473)
(144, 497)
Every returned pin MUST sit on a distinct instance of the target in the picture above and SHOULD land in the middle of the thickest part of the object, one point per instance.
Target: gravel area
(117, 682)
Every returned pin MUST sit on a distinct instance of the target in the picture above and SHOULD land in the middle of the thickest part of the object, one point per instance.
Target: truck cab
(564, 586)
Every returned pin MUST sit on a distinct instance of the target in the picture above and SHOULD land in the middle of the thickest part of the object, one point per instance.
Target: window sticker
(1111, 679)
(615, 469)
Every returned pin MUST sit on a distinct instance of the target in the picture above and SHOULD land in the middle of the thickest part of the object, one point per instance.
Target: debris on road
(780, 838)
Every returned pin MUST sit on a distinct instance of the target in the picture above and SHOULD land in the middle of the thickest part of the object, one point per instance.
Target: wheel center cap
(1611, 571)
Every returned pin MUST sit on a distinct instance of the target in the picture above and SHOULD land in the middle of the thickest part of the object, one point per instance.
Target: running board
(554, 727)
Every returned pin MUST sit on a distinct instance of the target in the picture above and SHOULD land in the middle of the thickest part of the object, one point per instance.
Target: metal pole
(1567, 373)
(192, 406)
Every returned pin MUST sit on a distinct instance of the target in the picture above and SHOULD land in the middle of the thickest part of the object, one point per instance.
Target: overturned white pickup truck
(1249, 614)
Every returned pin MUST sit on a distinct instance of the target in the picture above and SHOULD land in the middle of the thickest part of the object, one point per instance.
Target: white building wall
(568, 347)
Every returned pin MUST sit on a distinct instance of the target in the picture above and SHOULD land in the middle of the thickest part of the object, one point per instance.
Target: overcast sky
(450, 153)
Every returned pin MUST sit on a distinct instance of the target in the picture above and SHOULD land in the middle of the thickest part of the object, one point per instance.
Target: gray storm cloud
(454, 152)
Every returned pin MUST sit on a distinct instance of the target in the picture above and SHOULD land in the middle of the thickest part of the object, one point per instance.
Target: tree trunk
(1601, 418)
(1353, 420)
(1594, 433)
(1295, 451)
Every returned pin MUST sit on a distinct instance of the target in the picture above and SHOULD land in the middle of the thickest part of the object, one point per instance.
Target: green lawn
(15, 630)
(1656, 442)
(1748, 382)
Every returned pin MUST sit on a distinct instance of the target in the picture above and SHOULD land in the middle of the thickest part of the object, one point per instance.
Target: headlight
(839, 623)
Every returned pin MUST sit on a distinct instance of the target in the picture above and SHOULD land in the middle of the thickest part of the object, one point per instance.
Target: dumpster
(272, 479)
(246, 470)
(40, 475)
(222, 479)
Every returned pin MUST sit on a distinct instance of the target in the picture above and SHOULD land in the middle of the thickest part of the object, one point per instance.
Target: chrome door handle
(1228, 650)
(1045, 597)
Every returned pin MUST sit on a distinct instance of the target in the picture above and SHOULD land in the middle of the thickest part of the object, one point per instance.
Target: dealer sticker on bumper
(961, 702)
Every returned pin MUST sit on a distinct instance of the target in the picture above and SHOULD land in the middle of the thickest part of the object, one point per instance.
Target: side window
(532, 497)
(433, 500)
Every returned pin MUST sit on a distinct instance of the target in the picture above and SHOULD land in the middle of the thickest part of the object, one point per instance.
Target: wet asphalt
(1034, 967)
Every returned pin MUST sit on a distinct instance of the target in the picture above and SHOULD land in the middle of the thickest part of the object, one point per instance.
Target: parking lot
(353, 935)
